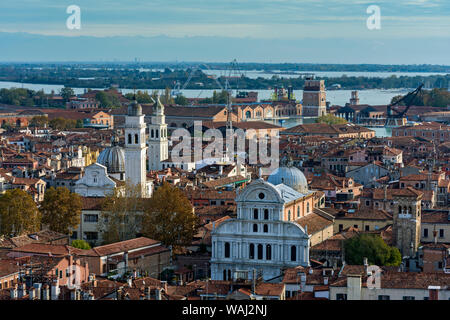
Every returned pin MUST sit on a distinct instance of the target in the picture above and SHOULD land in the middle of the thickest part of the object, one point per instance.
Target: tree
(330, 119)
(39, 121)
(373, 248)
(66, 93)
(121, 215)
(18, 213)
(61, 209)
(181, 100)
(81, 244)
(169, 217)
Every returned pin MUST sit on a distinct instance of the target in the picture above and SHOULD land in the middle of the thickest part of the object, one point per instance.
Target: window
(355, 226)
(341, 296)
(255, 214)
(224, 274)
(307, 207)
(255, 227)
(136, 139)
(227, 249)
(152, 134)
(268, 252)
(91, 218)
(341, 227)
(129, 138)
(265, 228)
(293, 253)
(261, 195)
(156, 133)
(74, 235)
(409, 298)
(425, 233)
(441, 233)
(251, 253)
(367, 228)
(384, 297)
(266, 214)
(91, 235)
(260, 251)
(298, 212)
(289, 215)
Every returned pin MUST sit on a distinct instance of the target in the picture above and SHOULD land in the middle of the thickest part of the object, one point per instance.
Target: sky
(315, 31)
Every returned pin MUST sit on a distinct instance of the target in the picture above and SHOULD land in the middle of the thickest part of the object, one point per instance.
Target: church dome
(134, 109)
(290, 176)
(113, 158)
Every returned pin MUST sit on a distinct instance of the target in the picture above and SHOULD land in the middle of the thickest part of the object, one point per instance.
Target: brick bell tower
(407, 220)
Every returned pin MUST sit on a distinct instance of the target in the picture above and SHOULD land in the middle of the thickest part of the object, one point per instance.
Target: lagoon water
(335, 97)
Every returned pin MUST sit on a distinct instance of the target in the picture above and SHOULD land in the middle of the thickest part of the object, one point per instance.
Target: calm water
(335, 97)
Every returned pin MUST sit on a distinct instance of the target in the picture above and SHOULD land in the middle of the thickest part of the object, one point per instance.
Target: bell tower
(407, 220)
(158, 146)
(135, 149)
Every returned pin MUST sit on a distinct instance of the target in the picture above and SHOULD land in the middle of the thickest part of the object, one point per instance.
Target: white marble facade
(95, 182)
(258, 239)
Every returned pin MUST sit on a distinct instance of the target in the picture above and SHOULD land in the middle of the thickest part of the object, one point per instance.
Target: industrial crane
(393, 119)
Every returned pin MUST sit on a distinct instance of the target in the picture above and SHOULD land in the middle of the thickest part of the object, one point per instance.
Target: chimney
(55, 290)
(14, 292)
(32, 293)
(46, 292)
(366, 264)
(435, 235)
(220, 170)
(38, 287)
(22, 290)
(164, 285)
(158, 294)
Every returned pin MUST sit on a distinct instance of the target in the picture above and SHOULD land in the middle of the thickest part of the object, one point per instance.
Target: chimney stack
(366, 264)
(55, 290)
(14, 292)
(32, 293)
(46, 292)
(158, 294)
(22, 290)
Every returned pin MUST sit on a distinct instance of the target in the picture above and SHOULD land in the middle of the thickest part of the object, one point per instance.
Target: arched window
(307, 207)
(136, 139)
(399, 209)
(266, 214)
(260, 251)
(129, 138)
(227, 249)
(156, 134)
(224, 274)
(268, 252)
(289, 215)
(255, 214)
(229, 274)
(251, 253)
(266, 228)
(410, 210)
(255, 227)
(248, 114)
(152, 133)
(298, 212)
(293, 253)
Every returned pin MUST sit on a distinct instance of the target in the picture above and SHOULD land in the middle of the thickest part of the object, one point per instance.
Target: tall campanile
(157, 139)
(135, 148)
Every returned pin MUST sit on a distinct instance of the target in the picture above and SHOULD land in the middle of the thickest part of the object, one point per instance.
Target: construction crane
(178, 88)
(398, 118)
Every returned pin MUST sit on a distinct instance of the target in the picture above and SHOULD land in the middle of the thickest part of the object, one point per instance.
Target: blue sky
(295, 23)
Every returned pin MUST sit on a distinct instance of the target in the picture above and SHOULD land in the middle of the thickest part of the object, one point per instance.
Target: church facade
(262, 239)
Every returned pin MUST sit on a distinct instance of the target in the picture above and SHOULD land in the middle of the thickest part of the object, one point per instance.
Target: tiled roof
(314, 222)
(118, 247)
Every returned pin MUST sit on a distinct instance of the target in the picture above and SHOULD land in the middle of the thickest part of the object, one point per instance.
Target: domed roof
(290, 176)
(113, 158)
(134, 109)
